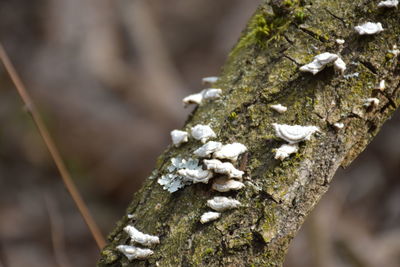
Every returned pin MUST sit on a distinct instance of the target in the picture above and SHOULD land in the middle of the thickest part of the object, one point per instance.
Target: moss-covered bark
(263, 69)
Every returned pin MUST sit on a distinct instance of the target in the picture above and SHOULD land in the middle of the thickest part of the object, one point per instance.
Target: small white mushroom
(319, 62)
(371, 102)
(369, 28)
(338, 125)
(279, 108)
(340, 65)
(209, 216)
(223, 168)
(223, 203)
(210, 93)
(133, 253)
(210, 80)
(340, 41)
(394, 51)
(224, 185)
(139, 237)
(294, 133)
(207, 149)
(382, 85)
(179, 137)
(230, 151)
(284, 151)
(202, 132)
(196, 176)
(193, 99)
(388, 3)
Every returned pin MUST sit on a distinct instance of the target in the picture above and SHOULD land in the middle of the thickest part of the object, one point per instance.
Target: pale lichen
(172, 181)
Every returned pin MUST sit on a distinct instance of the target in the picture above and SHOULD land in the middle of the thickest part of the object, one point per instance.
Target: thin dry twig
(66, 177)
(57, 232)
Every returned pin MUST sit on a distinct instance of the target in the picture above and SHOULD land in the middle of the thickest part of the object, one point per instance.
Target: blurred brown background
(108, 77)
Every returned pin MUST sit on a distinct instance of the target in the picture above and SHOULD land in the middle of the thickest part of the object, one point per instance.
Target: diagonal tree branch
(261, 71)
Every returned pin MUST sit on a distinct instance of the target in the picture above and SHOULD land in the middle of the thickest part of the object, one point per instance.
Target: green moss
(290, 3)
(262, 29)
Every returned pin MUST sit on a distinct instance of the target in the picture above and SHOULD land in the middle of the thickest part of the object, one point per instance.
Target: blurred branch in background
(55, 154)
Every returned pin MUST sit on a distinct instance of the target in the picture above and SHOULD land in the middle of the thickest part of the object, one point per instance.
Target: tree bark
(263, 69)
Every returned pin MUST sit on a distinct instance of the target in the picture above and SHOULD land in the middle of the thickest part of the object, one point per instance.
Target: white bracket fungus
(223, 168)
(179, 137)
(210, 80)
(369, 28)
(371, 102)
(209, 216)
(202, 132)
(320, 61)
(211, 93)
(207, 149)
(394, 51)
(340, 65)
(224, 185)
(338, 125)
(294, 133)
(279, 108)
(284, 151)
(196, 176)
(388, 3)
(340, 41)
(139, 237)
(223, 203)
(230, 151)
(133, 253)
(382, 85)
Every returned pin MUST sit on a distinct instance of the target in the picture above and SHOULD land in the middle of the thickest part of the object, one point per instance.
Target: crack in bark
(310, 33)
(336, 17)
(369, 66)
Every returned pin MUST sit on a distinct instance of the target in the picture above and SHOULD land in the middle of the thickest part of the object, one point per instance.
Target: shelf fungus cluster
(214, 161)
(133, 252)
(293, 134)
(322, 60)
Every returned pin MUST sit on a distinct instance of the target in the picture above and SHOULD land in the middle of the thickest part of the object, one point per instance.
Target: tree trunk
(263, 69)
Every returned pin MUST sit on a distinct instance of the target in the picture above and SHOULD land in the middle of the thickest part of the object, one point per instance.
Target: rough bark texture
(263, 69)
